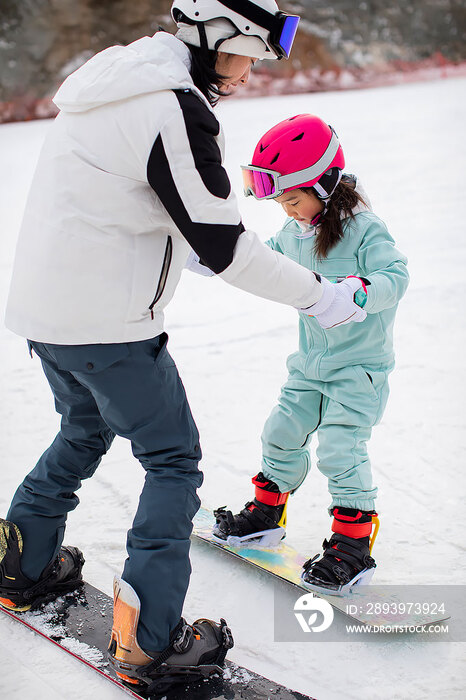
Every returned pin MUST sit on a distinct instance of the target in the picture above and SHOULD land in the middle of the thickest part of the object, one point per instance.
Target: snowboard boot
(19, 593)
(261, 522)
(346, 560)
(194, 652)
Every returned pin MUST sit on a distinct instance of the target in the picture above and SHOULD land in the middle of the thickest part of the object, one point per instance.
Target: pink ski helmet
(302, 151)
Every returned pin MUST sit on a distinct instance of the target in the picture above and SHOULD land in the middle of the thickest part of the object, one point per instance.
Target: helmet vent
(274, 158)
(299, 137)
(262, 148)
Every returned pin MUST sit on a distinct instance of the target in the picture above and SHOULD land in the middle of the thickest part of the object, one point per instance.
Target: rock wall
(359, 33)
(42, 41)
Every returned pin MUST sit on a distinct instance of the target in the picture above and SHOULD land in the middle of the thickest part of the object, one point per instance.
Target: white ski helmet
(243, 27)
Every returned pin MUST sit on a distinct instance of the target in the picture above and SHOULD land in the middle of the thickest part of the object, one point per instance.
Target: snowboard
(80, 623)
(370, 605)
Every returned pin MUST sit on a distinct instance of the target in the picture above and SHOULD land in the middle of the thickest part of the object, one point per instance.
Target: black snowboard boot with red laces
(346, 559)
(261, 522)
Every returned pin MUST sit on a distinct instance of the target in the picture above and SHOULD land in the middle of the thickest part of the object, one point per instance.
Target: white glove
(336, 305)
(194, 265)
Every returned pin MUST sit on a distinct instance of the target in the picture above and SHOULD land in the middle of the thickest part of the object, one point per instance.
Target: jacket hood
(150, 64)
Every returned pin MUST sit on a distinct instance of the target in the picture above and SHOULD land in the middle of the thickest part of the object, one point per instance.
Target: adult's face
(235, 69)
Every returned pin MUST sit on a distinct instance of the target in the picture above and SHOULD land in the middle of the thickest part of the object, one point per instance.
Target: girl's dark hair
(342, 202)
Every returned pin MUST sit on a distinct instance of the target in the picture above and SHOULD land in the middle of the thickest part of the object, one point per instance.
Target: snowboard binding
(19, 593)
(262, 522)
(346, 560)
(194, 652)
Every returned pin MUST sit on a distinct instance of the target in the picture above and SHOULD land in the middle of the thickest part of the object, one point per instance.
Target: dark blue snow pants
(132, 390)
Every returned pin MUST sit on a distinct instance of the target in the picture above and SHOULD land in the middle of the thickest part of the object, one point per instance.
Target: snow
(407, 145)
(45, 621)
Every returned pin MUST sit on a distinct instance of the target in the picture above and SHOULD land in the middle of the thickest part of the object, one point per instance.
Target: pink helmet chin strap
(318, 217)
(323, 195)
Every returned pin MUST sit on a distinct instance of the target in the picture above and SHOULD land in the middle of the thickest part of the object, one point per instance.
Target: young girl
(338, 379)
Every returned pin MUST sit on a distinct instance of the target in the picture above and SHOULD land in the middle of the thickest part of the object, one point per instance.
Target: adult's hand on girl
(336, 306)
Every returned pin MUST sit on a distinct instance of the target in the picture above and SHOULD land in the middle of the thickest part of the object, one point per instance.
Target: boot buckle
(228, 642)
(184, 640)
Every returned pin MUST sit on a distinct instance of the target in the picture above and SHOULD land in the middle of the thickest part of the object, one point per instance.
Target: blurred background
(340, 44)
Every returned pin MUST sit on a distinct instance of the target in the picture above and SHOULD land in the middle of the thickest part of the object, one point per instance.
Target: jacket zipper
(167, 258)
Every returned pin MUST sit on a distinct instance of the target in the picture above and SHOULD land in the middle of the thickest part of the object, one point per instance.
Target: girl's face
(236, 69)
(302, 206)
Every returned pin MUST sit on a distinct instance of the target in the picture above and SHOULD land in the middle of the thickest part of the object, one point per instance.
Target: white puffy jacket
(129, 179)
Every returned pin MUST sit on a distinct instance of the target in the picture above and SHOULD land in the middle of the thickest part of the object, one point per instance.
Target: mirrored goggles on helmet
(261, 182)
(281, 26)
(283, 33)
(264, 183)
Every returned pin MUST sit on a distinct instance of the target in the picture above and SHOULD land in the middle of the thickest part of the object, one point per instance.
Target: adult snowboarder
(129, 182)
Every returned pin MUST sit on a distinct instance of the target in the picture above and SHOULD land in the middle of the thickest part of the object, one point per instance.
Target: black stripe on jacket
(202, 127)
(213, 242)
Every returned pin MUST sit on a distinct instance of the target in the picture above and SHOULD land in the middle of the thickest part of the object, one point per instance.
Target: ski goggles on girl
(264, 183)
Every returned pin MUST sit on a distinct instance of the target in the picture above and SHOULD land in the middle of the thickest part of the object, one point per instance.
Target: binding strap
(267, 492)
(357, 525)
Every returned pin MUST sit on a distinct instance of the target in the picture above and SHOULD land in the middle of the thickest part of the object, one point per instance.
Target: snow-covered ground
(407, 145)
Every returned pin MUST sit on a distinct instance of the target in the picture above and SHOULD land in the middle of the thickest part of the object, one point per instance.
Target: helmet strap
(202, 36)
(325, 201)
(319, 216)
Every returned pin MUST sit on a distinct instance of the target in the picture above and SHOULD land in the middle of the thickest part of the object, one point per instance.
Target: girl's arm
(383, 266)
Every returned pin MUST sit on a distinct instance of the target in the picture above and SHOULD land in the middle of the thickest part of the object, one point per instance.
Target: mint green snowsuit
(338, 379)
